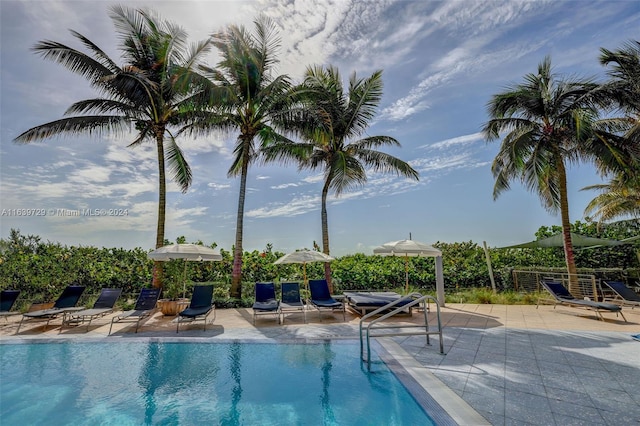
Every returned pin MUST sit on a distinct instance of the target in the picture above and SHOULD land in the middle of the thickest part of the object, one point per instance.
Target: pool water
(170, 383)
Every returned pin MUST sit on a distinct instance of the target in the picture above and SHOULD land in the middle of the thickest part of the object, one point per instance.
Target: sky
(442, 62)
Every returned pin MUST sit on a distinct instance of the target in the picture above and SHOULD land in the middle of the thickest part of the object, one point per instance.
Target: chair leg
(20, 325)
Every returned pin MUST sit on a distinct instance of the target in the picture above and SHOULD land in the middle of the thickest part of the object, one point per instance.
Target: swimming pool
(158, 382)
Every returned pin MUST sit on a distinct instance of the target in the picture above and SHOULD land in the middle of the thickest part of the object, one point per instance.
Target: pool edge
(459, 410)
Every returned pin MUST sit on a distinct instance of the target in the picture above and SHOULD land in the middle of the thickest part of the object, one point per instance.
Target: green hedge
(41, 269)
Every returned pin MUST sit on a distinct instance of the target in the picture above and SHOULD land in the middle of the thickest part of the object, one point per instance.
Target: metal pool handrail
(417, 299)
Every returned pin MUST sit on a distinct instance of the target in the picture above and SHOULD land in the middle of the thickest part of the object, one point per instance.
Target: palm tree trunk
(162, 201)
(566, 231)
(325, 234)
(236, 276)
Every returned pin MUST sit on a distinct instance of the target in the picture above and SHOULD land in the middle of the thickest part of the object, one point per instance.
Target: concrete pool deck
(513, 364)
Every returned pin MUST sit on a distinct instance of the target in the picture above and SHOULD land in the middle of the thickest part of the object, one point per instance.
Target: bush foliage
(41, 269)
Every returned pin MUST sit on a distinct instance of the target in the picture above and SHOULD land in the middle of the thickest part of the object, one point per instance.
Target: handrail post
(417, 299)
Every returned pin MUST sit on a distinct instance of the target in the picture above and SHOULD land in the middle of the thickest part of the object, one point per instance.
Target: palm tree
(156, 90)
(621, 196)
(549, 124)
(332, 124)
(623, 88)
(245, 97)
(618, 199)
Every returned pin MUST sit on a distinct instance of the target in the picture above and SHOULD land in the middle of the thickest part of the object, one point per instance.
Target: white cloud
(296, 206)
(219, 186)
(285, 186)
(457, 141)
(447, 163)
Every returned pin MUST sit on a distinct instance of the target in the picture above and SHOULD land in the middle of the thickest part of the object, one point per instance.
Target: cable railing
(400, 306)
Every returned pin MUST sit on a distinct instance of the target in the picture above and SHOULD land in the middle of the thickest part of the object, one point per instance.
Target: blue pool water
(170, 383)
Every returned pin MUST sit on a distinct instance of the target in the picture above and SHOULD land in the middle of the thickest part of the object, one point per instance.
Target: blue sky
(442, 62)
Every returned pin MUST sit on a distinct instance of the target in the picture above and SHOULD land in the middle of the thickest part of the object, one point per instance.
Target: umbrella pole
(304, 275)
(184, 279)
(406, 274)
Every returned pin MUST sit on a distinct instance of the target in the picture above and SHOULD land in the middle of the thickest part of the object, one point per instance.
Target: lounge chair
(623, 295)
(66, 303)
(266, 302)
(144, 308)
(291, 300)
(200, 307)
(321, 298)
(7, 300)
(367, 301)
(103, 306)
(562, 296)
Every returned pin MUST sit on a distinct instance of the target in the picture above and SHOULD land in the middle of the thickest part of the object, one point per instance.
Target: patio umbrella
(406, 249)
(187, 252)
(304, 257)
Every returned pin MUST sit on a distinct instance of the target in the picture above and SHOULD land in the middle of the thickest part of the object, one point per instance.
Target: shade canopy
(192, 252)
(407, 248)
(411, 248)
(576, 239)
(304, 256)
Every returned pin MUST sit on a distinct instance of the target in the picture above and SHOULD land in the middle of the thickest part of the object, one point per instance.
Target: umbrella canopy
(406, 249)
(187, 252)
(576, 239)
(304, 257)
(193, 252)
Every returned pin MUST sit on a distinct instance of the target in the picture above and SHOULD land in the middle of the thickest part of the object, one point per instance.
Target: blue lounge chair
(266, 303)
(200, 307)
(66, 303)
(145, 306)
(562, 296)
(103, 306)
(623, 295)
(321, 298)
(291, 300)
(7, 300)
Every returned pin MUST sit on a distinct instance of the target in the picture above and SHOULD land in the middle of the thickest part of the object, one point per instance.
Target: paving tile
(622, 416)
(575, 410)
(555, 367)
(523, 382)
(522, 365)
(564, 420)
(485, 385)
(494, 418)
(561, 380)
(518, 422)
(528, 407)
(490, 401)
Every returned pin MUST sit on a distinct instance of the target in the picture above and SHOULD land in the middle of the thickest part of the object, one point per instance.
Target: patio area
(512, 364)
